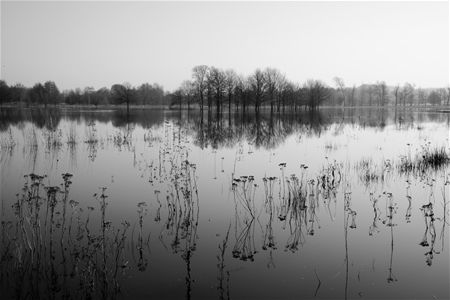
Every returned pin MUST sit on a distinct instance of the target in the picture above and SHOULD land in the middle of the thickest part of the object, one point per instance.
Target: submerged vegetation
(55, 244)
(426, 159)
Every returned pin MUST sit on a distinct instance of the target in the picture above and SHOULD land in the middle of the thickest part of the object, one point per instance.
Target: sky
(97, 44)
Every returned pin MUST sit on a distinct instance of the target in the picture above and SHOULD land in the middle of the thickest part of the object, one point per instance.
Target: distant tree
(442, 95)
(199, 77)
(88, 93)
(316, 93)
(241, 93)
(73, 97)
(281, 84)
(187, 90)
(397, 94)
(38, 94)
(150, 94)
(157, 94)
(448, 95)
(434, 98)
(230, 86)
(421, 96)
(352, 95)
(18, 93)
(341, 87)
(51, 93)
(123, 93)
(272, 78)
(258, 86)
(372, 92)
(176, 98)
(408, 93)
(381, 90)
(217, 82)
(100, 96)
(4, 92)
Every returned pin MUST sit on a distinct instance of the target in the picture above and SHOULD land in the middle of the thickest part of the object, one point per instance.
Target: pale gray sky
(80, 44)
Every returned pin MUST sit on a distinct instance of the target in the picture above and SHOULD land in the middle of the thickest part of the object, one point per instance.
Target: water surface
(304, 205)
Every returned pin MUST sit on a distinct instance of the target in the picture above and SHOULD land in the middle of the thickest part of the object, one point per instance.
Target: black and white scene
(224, 150)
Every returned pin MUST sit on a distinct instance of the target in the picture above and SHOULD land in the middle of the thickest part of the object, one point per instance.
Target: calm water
(312, 205)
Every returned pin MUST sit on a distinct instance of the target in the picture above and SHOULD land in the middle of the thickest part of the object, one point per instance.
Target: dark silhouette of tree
(262, 89)
(316, 92)
(217, 83)
(230, 86)
(4, 92)
(199, 76)
(187, 90)
(51, 93)
(396, 94)
(448, 96)
(408, 94)
(258, 86)
(73, 97)
(281, 84)
(382, 92)
(241, 93)
(18, 94)
(352, 96)
(37, 94)
(101, 96)
(434, 98)
(123, 93)
(272, 78)
(421, 96)
(340, 85)
(176, 98)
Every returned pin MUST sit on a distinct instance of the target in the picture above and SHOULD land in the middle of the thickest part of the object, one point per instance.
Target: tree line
(49, 94)
(214, 89)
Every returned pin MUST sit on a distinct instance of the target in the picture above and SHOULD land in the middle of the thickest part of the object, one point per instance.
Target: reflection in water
(391, 208)
(244, 190)
(58, 241)
(43, 254)
(223, 287)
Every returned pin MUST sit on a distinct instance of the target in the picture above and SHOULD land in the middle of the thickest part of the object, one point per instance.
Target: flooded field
(334, 204)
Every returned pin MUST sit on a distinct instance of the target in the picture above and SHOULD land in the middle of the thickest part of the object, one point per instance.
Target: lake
(160, 204)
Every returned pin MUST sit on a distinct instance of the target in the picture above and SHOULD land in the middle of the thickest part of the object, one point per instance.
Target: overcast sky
(78, 44)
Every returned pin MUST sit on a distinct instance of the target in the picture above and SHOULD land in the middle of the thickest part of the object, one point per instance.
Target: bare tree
(352, 95)
(217, 80)
(421, 96)
(188, 90)
(199, 76)
(258, 85)
(282, 83)
(341, 87)
(408, 93)
(316, 93)
(434, 98)
(230, 85)
(88, 91)
(371, 91)
(445, 95)
(123, 93)
(271, 77)
(4, 92)
(241, 92)
(448, 95)
(51, 92)
(396, 93)
(381, 89)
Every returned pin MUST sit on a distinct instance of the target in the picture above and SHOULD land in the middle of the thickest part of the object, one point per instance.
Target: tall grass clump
(427, 159)
(50, 248)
